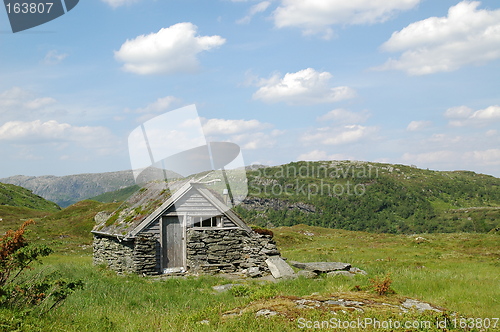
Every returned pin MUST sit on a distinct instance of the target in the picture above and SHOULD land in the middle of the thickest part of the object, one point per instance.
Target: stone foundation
(231, 250)
(137, 256)
(144, 258)
(208, 251)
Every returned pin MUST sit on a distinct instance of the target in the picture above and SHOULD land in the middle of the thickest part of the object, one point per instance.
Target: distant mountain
(67, 190)
(11, 195)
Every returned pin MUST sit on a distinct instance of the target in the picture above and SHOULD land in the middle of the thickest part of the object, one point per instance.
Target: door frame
(182, 222)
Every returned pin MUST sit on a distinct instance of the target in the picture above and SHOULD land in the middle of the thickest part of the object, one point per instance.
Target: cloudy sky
(402, 81)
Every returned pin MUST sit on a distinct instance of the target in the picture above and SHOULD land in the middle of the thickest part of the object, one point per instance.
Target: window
(207, 221)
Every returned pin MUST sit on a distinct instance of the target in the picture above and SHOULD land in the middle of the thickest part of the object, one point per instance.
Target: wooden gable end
(192, 201)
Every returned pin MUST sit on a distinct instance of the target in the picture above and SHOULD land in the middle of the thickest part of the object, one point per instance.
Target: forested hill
(372, 197)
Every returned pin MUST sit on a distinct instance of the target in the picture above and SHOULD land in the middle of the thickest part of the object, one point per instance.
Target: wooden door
(172, 242)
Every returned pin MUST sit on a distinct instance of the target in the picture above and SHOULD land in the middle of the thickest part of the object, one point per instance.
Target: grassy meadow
(459, 272)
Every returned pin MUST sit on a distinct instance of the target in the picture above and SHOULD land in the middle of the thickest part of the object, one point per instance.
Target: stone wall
(144, 258)
(208, 251)
(117, 255)
(228, 250)
(137, 256)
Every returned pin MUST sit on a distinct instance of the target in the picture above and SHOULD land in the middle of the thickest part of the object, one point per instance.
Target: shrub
(16, 256)
(240, 290)
(382, 285)
(264, 292)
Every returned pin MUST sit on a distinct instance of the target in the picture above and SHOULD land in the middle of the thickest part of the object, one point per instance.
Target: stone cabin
(192, 230)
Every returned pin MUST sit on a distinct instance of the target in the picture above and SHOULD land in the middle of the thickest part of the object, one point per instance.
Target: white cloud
(443, 140)
(464, 116)
(18, 103)
(418, 125)
(322, 155)
(253, 141)
(340, 115)
(491, 133)
(19, 99)
(35, 132)
(229, 127)
(159, 106)
(53, 57)
(316, 16)
(39, 103)
(450, 158)
(338, 135)
(248, 134)
(118, 3)
(433, 157)
(487, 114)
(486, 157)
(170, 50)
(442, 44)
(306, 86)
(459, 112)
(255, 9)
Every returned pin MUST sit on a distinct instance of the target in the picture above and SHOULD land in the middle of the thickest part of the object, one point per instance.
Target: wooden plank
(172, 243)
(228, 223)
(154, 228)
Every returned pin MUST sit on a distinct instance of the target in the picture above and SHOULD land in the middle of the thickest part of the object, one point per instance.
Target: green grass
(16, 196)
(65, 231)
(460, 272)
(116, 196)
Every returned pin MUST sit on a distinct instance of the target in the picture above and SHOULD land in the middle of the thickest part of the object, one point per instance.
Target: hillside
(14, 196)
(119, 195)
(372, 197)
(67, 190)
(64, 230)
(366, 196)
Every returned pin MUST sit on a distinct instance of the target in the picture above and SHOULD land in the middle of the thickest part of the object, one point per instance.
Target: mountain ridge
(69, 189)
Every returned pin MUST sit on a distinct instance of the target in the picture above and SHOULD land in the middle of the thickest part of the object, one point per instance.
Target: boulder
(322, 267)
(356, 270)
(419, 306)
(225, 287)
(101, 217)
(253, 272)
(279, 268)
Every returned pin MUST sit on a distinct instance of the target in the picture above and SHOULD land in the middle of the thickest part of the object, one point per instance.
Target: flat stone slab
(322, 267)
(279, 268)
(420, 306)
(341, 273)
(226, 287)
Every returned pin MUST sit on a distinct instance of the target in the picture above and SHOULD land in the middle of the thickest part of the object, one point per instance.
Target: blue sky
(402, 81)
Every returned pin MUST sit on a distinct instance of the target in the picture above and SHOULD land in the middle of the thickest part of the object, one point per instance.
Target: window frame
(201, 222)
